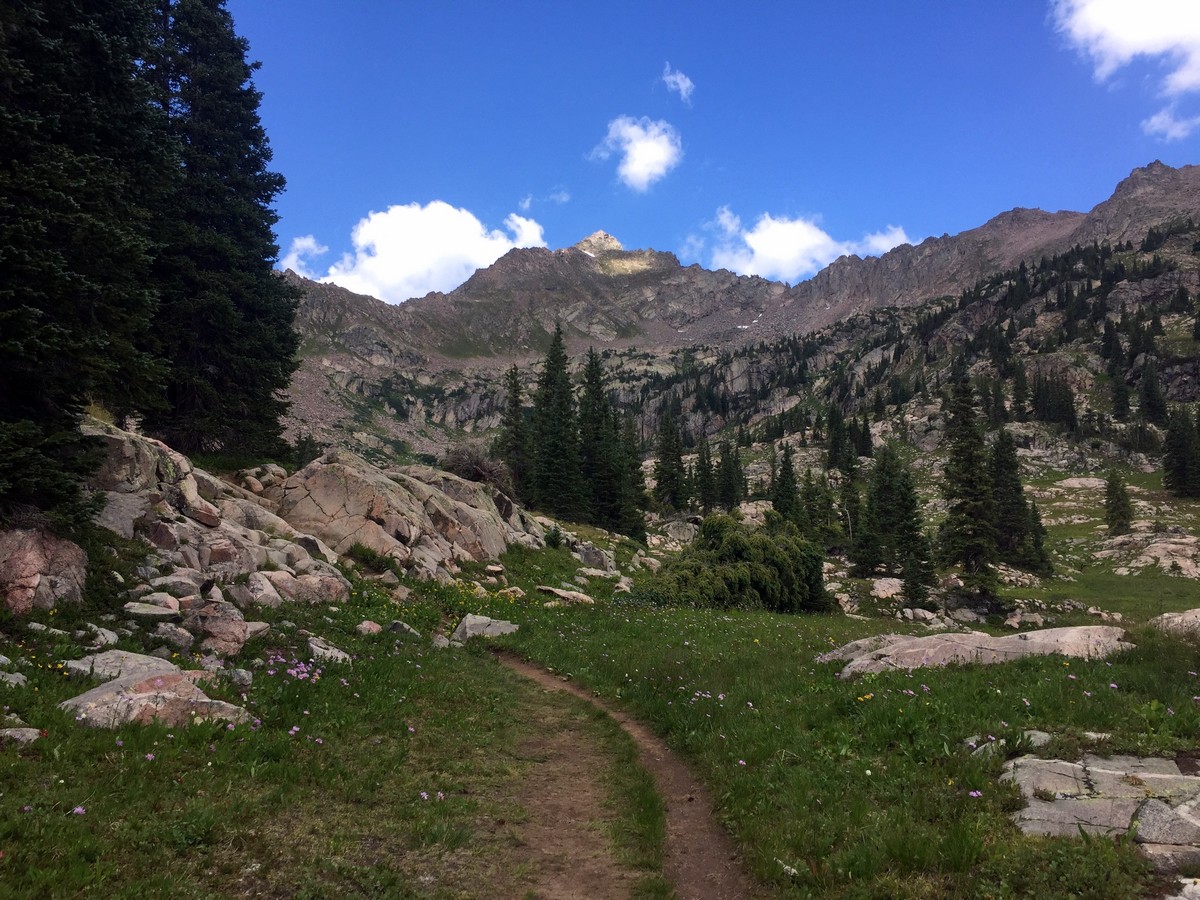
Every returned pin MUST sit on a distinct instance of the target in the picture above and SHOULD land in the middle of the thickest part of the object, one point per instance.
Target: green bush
(731, 565)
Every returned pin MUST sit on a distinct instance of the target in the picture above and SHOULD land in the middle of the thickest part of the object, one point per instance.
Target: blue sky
(421, 141)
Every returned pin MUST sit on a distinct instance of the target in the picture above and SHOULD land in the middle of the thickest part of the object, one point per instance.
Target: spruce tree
(669, 487)
(706, 481)
(891, 534)
(785, 491)
(633, 484)
(225, 320)
(512, 444)
(599, 454)
(1150, 395)
(730, 478)
(557, 486)
(85, 158)
(1118, 510)
(1181, 455)
(968, 535)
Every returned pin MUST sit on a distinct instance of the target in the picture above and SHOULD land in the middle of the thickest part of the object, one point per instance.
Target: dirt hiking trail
(699, 858)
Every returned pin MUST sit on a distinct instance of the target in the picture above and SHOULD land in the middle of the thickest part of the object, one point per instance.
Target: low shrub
(731, 565)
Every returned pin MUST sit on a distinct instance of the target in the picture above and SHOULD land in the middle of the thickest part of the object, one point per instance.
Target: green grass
(381, 778)
(864, 787)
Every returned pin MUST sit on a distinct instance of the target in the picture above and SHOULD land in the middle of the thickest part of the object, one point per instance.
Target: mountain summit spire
(599, 242)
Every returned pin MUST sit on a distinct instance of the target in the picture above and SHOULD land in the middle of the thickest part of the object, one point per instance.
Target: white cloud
(1113, 33)
(408, 251)
(649, 149)
(679, 83)
(300, 252)
(558, 196)
(789, 249)
(1166, 125)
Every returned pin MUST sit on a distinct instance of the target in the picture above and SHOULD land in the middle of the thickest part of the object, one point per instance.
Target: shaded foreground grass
(866, 788)
(395, 776)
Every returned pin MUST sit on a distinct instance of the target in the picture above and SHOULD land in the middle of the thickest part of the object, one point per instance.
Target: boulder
(896, 651)
(367, 627)
(117, 664)
(170, 698)
(174, 635)
(481, 626)
(39, 570)
(256, 590)
(1183, 624)
(220, 625)
(565, 595)
(887, 588)
(326, 587)
(155, 613)
(18, 735)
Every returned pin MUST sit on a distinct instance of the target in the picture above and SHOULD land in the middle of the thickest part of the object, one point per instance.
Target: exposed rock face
(423, 518)
(897, 651)
(39, 570)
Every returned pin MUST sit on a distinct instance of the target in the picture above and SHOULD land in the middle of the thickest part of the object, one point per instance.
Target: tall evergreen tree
(1150, 395)
(225, 320)
(85, 158)
(968, 535)
(730, 478)
(669, 487)
(706, 480)
(599, 455)
(557, 487)
(785, 491)
(1019, 535)
(633, 484)
(512, 444)
(891, 534)
(1181, 455)
(1118, 510)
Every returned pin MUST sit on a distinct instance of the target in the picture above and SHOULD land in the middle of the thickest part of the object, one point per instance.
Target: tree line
(135, 238)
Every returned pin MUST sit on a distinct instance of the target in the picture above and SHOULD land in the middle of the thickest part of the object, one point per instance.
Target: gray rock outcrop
(898, 651)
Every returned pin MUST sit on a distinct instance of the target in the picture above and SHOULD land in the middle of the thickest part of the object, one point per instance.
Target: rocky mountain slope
(384, 379)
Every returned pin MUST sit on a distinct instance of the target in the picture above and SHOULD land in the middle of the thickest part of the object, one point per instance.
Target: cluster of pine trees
(136, 238)
(576, 458)
(707, 483)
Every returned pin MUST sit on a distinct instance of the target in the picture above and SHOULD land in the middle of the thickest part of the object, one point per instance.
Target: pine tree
(669, 487)
(891, 533)
(1181, 455)
(557, 486)
(512, 444)
(633, 484)
(730, 478)
(706, 481)
(599, 454)
(967, 536)
(85, 158)
(1150, 396)
(1008, 497)
(785, 491)
(225, 321)
(1118, 510)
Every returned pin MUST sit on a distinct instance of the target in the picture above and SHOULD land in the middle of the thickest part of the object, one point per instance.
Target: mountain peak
(599, 242)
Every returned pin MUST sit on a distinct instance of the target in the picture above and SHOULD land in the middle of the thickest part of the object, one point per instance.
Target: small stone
(13, 679)
(367, 627)
(241, 677)
(254, 629)
(19, 735)
(322, 649)
(148, 611)
(398, 627)
(440, 642)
